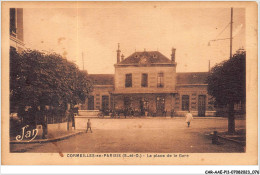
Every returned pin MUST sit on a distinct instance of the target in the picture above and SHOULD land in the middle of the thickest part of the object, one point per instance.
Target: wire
(223, 30)
(219, 39)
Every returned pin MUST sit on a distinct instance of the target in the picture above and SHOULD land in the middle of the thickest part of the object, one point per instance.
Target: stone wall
(52, 128)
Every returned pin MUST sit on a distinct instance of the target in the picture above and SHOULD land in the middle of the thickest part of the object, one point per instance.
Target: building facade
(146, 84)
(16, 29)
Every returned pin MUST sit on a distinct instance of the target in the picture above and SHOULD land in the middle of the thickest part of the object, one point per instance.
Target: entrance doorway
(91, 103)
(105, 104)
(160, 106)
(144, 106)
(201, 105)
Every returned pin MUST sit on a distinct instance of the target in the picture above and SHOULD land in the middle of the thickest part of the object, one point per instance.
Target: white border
(168, 169)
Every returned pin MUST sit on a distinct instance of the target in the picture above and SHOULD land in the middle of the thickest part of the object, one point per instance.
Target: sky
(90, 35)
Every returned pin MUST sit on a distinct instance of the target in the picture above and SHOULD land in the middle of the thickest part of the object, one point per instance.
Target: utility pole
(231, 26)
(231, 116)
(83, 60)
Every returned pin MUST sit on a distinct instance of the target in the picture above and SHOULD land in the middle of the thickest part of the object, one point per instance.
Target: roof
(182, 78)
(192, 78)
(146, 57)
(102, 79)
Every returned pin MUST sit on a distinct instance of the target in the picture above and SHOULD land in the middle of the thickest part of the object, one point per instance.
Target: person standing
(132, 112)
(125, 112)
(189, 117)
(89, 126)
(172, 112)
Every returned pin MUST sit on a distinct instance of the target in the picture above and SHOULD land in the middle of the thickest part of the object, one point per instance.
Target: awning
(142, 91)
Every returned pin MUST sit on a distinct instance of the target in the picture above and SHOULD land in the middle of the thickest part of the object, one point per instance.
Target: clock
(143, 60)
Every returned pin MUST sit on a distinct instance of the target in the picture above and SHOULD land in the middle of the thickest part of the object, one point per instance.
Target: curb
(232, 140)
(179, 117)
(47, 140)
(228, 139)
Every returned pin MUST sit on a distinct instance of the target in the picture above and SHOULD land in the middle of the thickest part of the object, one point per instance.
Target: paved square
(151, 135)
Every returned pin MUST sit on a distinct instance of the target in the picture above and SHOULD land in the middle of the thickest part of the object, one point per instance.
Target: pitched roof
(102, 79)
(192, 78)
(151, 57)
(182, 78)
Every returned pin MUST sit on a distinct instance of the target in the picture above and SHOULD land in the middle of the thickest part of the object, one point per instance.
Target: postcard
(129, 83)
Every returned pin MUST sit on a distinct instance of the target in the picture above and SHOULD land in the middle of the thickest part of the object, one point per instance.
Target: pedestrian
(76, 110)
(125, 112)
(118, 113)
(188, 118)
(89, 126)
(113, 113)
(132, 112)
(172, 112)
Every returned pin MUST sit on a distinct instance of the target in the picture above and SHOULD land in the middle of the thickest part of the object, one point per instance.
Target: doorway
(105, 104)
(160, 106)
(201, 105)
(91, 103)
(144, 106)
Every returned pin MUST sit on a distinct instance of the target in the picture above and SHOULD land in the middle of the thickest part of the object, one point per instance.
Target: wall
(151, 98)
(169, 79)
(172, 101)
(98, 92)
(91, 113)
(16, 40)
(52, 128)
(19, 24)
(193, 91)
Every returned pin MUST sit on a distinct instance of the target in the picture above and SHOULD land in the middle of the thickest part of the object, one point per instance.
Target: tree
(38, 80)
(227, 84)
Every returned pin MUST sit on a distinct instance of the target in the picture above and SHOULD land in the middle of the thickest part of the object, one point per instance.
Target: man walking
(89, 126)
(188, 118)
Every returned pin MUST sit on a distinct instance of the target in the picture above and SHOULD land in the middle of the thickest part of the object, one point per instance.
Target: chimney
(122, 57)
(173, 54)
(118, 53)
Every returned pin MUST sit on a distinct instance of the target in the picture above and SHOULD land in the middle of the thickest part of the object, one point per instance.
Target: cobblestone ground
(153, 135)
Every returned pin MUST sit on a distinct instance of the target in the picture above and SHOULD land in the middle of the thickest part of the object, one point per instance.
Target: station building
(148, 84)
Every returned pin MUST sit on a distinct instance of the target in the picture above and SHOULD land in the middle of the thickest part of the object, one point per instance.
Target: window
(128, 80)
(185, 102)
(144, 80)
(160, 80)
